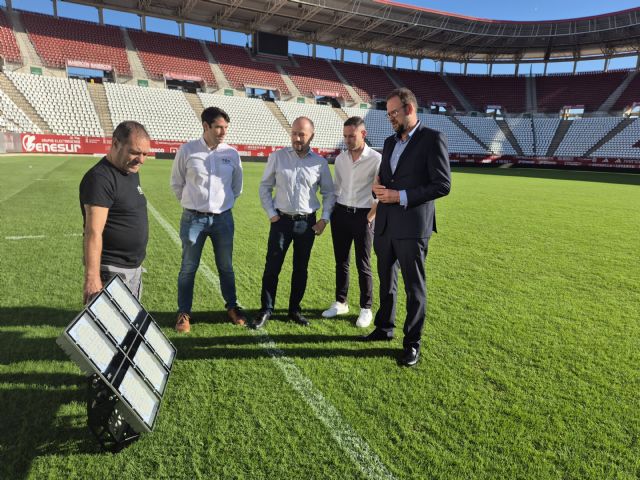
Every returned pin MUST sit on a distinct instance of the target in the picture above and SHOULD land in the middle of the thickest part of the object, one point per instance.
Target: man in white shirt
(297, 174)
(352, 218)
(207, 179)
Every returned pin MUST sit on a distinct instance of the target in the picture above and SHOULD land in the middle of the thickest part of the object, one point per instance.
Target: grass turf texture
(529, 366)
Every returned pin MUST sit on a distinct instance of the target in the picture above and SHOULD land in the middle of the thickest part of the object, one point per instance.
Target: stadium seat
(252, 123)
(164, 54)
(242, 71)
(166, 114)
(63, 103)
(58, 40)
(8, 43)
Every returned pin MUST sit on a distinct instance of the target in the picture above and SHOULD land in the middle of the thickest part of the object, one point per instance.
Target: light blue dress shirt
(395, 157)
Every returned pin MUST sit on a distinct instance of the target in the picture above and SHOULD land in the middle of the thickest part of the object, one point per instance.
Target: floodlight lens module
(151, 367)
(160, 344)
(139, 395)
(110, 317)
(95, 344)
(125, 299)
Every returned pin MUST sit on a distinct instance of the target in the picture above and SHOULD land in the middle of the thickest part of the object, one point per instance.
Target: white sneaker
(336, 308)
(365, 317)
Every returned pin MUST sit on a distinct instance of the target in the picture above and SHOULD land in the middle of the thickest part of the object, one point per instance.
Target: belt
(296, 216)
(352, 209)
(208, 214)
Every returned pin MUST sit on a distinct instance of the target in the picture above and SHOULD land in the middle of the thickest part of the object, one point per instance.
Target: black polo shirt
(125, 236)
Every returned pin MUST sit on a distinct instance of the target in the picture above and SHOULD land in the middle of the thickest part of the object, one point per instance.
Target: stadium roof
(393, 28)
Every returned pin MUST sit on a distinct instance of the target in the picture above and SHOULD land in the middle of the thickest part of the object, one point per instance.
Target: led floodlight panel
(116, 338)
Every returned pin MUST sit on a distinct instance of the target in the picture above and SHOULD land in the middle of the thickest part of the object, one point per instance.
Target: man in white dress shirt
(296, 173)
(352, 218)
(207, 179)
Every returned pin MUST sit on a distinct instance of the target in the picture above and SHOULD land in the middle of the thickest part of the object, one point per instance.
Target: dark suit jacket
(423, 171)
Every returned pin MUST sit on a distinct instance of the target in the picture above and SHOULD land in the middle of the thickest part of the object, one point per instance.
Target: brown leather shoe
(236, 316)
(182, 323)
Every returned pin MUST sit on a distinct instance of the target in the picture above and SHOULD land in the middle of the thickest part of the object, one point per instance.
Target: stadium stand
(58, 40)
(622, 144)
(328, 125)
(630, 95)
(522, 129)
(481, 90)
(584, 133)
(252, 123)
(543, 131)
(458, 141)
(242, 71)
(165, 113)
(168, 54)
(12, 119)
(376, 123)
(488, 131)
(314, 76)
(428, 87)
(8, 44)
(63, 103)
(590, 89)
(368, 81)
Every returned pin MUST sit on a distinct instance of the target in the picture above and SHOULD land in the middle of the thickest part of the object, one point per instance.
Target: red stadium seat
(60, 39)
(162, 54)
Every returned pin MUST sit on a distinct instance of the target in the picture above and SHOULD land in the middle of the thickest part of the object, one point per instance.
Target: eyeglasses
(394, 113)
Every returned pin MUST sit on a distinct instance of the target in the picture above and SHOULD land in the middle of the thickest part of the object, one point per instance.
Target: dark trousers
(282, 233)
(347, 227)
(409, 255)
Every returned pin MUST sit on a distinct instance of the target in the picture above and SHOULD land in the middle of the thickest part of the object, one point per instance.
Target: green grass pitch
(530, 366)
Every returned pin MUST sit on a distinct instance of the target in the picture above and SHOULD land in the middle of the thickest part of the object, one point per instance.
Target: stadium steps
(562, 130)
(101, 104)
(218, 74)
(466, 104)
(356, 98)
(531, 99)
(27, 50)
(504, 126)
(464, 128)
(20, 100)
(341, 113)
(137, 69)
(393, 78)
(615, 95)
(195, 102)
(288, 82)
(277, 113)
(612, 133)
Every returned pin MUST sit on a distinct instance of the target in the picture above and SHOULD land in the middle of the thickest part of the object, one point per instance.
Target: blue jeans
(195, 228)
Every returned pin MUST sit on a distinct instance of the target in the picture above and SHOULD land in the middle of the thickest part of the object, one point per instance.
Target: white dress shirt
(354, 179)
(206, 179)
(296, 181)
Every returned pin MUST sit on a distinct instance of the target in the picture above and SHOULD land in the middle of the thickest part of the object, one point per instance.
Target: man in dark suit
(413, 173)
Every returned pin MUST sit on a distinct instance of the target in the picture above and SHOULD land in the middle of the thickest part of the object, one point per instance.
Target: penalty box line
(346, 437)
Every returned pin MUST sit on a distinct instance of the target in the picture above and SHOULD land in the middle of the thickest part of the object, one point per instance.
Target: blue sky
(493, 9)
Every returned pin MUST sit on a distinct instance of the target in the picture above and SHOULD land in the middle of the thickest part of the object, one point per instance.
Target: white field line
(347, 438)
(24, 237)
(31, 237)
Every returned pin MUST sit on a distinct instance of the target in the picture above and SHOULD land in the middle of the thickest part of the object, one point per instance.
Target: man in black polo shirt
(114, 211)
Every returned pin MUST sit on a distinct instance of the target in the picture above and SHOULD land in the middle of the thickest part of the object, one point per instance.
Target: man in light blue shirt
(296, 173)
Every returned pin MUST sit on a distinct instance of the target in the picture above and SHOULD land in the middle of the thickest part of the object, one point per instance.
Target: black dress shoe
(298, 318)
(377, 336)
(409, 357)
(261, 319)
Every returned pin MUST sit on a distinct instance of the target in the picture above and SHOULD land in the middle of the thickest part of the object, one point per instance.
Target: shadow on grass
(30, 423)
(555, 174)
